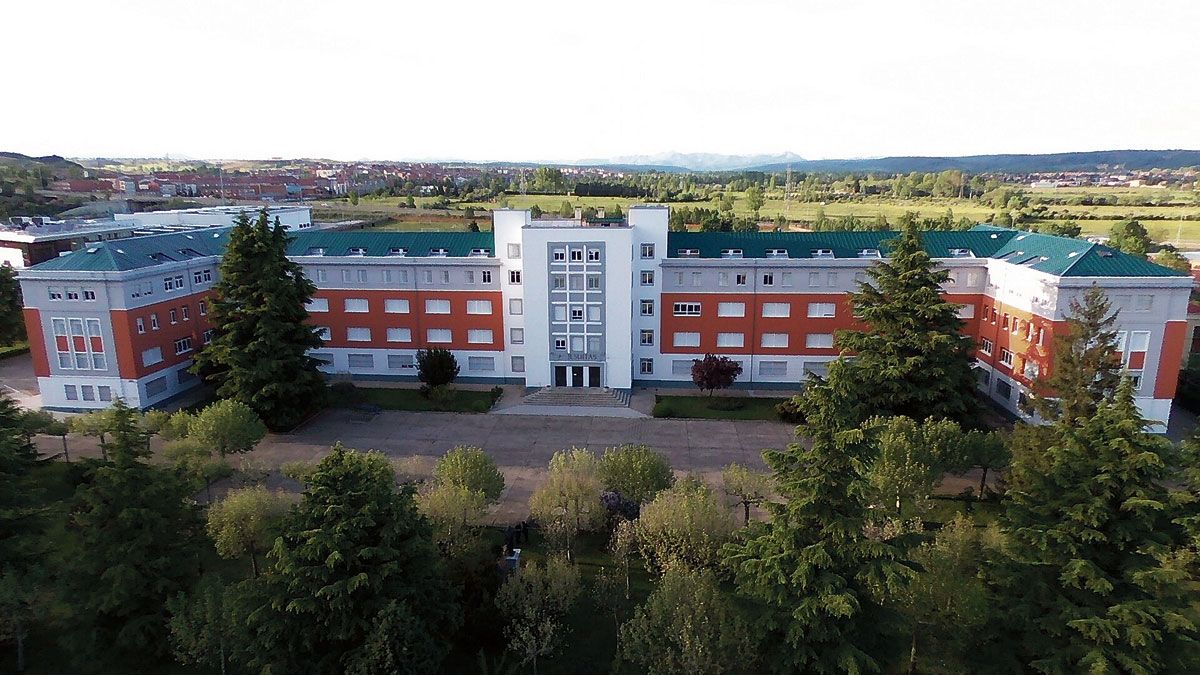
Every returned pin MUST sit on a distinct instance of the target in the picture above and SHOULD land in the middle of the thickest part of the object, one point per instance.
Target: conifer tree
(131, 546)
(259, 352)
(1084, 369)
(911, 357)
(17, 457)
(12, 319)
(824, 583)
(1099, 580)
(354, 557)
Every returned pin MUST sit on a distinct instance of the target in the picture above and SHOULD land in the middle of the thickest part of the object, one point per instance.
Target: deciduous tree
(746, 487)
(228, 427)
(1131, 237)
(533, 603)
(685, 524)
(470, 468)
(569, 499)
(715, 372)
(1172, 259)
(636, 472)
(243, 523)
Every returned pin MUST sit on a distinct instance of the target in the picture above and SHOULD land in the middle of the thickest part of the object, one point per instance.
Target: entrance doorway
(594, 376)
(577, 376)
(560, 376)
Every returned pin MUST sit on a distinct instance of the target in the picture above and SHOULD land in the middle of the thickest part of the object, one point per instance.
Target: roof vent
(1106, 254)
(92, 250)
(1072, 254)
(995, 236)
(1045, 258)
(216, 234)
(1019, 238)
(189, 236)
(121, 251)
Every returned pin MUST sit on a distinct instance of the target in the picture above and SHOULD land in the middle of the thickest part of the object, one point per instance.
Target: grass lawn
(702, 407)
(14, 350)
(411, 399)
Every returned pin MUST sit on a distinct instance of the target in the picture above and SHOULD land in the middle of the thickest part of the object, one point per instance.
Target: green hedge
(14, 350)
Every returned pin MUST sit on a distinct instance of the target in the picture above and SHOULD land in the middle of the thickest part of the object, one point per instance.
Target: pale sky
(562, 80)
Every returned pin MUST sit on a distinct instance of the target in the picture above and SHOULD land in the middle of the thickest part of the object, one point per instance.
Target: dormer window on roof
(398, 251)
(688, 253)
(356, 250)
(731, 253)
(869, 253)
(439, 252)
(315, 250)
(961, 253)
(777, 253)
(189, 253)
(480, 252)
(822, 253)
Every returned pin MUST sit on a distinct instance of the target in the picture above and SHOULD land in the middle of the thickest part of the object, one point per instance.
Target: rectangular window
(427, 275)
(647, 251)
(833, 279)
(72, 293)
(183, 345)
(768, 279)
(156, 386)
(186, 313)
(358, 334)
(577, 314)
(346, 276)
(787, 279)
(514, 277)
(593, 344)
(1139, 341)
(141, 326)
(647, 307)
(516, 306)
(484, 364)
(646, 366)
(1006, 357)
(479, 307)
(399, 335)
(814, 278)
(819, 341)
(1004, 389)
(387, 276)
(437, 306)
(322, 276)
(357, 305)
(577, 255)
(438, 335)
(697, 278)
(99, 362)
(821, 310)
(360, 360)
(398, 361)
(152, 356)
(577, 343)
(207, 336)
(104, 392)
(395, 306)
(777, 310)
(1032, 370)
(559, 312)
(647, 338)
(516, 336)
(686, 339)
(593, 313)
(54, 293)
(1143, 303)
(479, 336)
(575, 282)
(514, 251)
(560, 344)
(731, 309)
(686, 309)
(518, 364)
(593, 255)
(682, 366)
(966, 312)
(722, 278)
(559, 255)
(775, 340)
(174, 316)
(772, 368)
(740, 279)
(985, 346)
(88, 391)
(445, 276)
(323, 332)
(89, 294)
(470, 276)
(731, 340)
(71, 392)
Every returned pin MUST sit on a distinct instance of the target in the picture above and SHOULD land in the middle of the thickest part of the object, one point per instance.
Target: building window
(772, 368)
(514, 277)
(54, 293)
(437, 306)
(518, 364)
(153, 322)
(575, 282)
(99, 362)
(438, 335)
(697, 278)
(183, 345)
(394, 306)
(71, 392)
(358, 334)
(722, 278)
(322, 276)
(357, 305)
(317, 305)
(560, 344)
(775, 340)
(366, 361)
(777, 310)
(1143, 303)
(577, 344)
(1004, 389)
(682, 366)
(740, 279)
(399, 335)
(203, 308)
(89, 294)
(427, 275)
(731, 309)
(814, 278)
(397, 361)
(152, 356)
(833, 279)
(516, 306)
(647, 251)
(647, 338)
(484, 364)
(323, 332)
(819, 340)
(173, 316)
(787, 279)
(577, 314)
(686, 340)
(821, 310)
(514, 251)
(207, 336)
(141, 326)
(72, 293)
(593, 282)
(576, 255)
(559, 312)
(470, 276)
(104, 392)
(686, 309)
(445, 276)
(485, 277)
(731, 340)
(516, 336)
(1006, 357)
(985, 346)
(647, 308)
(593, 255)
(768, 279)
(559, 255)
(646, 366)
(966, 312)
(187, 315)
(479, 336)
(479, 307)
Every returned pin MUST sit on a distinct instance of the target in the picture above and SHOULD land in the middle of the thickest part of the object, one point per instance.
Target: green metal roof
(130, 253)
(1059, 256)
(416, 244)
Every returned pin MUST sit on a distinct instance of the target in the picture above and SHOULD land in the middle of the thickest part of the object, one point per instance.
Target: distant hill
(693, 161)
(1062, 161)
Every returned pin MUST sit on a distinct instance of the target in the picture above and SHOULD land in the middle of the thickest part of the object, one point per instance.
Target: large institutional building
(586, 302)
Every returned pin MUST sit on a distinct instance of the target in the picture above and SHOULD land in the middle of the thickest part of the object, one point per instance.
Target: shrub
(299, 470)
(347, 392)
(436, 367)
(471, 468)
(685, 524)
(496, 392)
(789, 411)
(442, 397)
(635, 472)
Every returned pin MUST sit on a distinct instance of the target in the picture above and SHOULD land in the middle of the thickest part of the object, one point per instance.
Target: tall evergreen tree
(1084, 370)
(259, 352)
(823, 581)
(12, 319)
(1099, 581)
(130, 548)
(355, 556)
(911, 357)
(17, 505)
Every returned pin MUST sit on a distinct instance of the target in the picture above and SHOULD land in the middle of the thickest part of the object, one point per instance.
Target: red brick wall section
(416, 320)
(130, 344)
(37, 342)
(1170, 359)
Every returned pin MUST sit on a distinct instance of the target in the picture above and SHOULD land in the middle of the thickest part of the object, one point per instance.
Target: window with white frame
(54, 293)
(682, 366)
(207, 336)
(741, 278)
(819, 340)
(1006, 357)
(395, 306)
(479, 336)
(731, 340)
(1143, 303)
(399, 335)
(445, 276)
(722, 278)
(593, 255)
(822, 310)
(358, 334)
(577, 343)
(479, 307)
(433, 306)
(174, 316)
(647, 251)
(686, 309)
(774, 340)
(485, 277)
(153, 321)
(516, 336)
(347, 276)
(518, 364)
(559, 255)
(516, 306)
(470, 276)
(646, 338)
(731, 309)
(398, 361)
(323, 332)
(357, 305)
(183, 345)
(89, 295)
(645, 366)
(514, 277)
(152, 356)
(768, 279)
(776, 310)
(772, 368)
(966, 312)
(71, 392)
(559, 312)
(514, 251)
(577, 313)
(647, 278)
(141, 325)
(593, 282)
(560, 344)
(438, 335)
(360, 360)
(1139, 341)
(322, 276)
(185, 312)
(985, 346)
(576, 255)
(814, 278)
(484, 364)
(686, 339)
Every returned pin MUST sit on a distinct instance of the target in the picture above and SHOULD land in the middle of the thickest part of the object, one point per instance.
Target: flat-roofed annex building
(582, 302)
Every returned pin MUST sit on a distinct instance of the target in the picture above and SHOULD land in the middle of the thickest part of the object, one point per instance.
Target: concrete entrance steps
(579, 396)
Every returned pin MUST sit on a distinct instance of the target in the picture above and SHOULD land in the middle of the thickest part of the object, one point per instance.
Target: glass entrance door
(576, 376)
(594, 376)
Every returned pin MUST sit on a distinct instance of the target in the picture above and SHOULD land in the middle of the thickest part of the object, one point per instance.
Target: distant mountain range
(56, 163)
(1010, 163)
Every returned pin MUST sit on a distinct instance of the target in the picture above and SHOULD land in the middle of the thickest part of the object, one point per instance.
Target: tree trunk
(982, 482)
(627, 578)
(746, 506)
(912, 655)
(222, 657)
(208, 490)
(19, 636)
(66, 455)
(253, 562)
